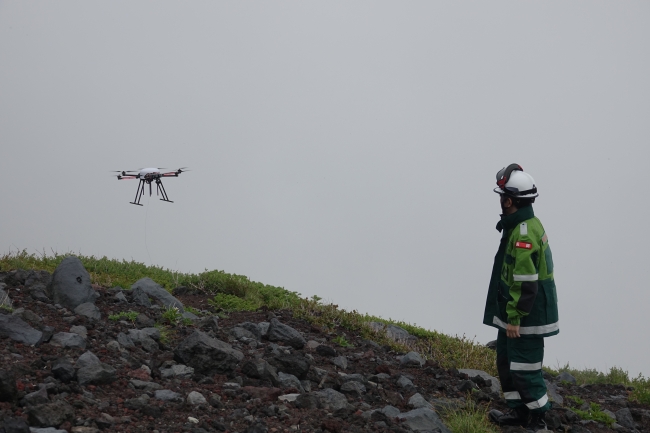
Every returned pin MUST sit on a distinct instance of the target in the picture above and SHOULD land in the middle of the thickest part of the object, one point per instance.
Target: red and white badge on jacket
(524, 245)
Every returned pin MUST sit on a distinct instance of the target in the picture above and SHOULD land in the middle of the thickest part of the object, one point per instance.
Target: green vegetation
(192, 310)
(615, 376)
(165, 333)
(229, 303)
(128, 315)
(341, 341)
(172, 315)
(593, 413)
(470, 419)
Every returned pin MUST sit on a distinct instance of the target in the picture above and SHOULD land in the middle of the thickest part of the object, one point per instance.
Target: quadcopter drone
(149, 175)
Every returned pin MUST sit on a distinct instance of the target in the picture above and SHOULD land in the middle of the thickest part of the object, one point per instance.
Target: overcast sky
(342, 149)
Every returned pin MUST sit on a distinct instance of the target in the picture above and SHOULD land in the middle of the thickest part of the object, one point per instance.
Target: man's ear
(507, 201)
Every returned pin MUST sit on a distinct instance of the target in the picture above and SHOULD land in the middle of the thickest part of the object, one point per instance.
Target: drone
(147, 176)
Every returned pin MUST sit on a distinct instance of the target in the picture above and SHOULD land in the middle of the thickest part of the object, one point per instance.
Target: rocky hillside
(77, 357)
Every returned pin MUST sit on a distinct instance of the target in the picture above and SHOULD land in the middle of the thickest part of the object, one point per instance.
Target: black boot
(517, 416)
(537, 422)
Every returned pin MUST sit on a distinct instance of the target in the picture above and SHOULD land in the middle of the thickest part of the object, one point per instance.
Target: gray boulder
(51, 414)
(290, 381)
(195, 398)
(405, 382)
(8, 390)
(63, 370)
(286, 334)
(156, 291)
(253, 328)
(37, 277)
(331, 400)
(168, 395)
(565, 377)
(80, 330)
(239, 333)
(208, 323)
(207, 355)
(292, 364)
(96, 374)
(411, 359)
(15, 425)
(17, 329)
(495, 385)
(417, 401)
(554, 395)
(353, 388)
(390, 411)
(88, 309)
(70, 284)
(624, 418)
(177, 371)
(341, 362)
(68, 339)
(124, 340)
(144, 385)
(139, 297)
(87, 359)
(143, 338)
(5, 300)
(138, 402)
(393, 332)
(260, 369)
(35, 398)
(120, 298)
(423, 419)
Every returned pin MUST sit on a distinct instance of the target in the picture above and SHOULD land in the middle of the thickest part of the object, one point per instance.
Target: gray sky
(342, 149)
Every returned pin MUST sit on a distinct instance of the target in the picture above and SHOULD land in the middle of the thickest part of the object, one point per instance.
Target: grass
(594, 412)
(470, 419)
(128, 315)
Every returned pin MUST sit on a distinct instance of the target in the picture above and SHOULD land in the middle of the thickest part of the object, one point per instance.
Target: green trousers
(519, 362)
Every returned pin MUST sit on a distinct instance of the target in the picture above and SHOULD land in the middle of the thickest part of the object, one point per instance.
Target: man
(521, 301)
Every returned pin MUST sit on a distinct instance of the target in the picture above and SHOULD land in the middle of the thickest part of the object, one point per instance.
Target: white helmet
(514, 182)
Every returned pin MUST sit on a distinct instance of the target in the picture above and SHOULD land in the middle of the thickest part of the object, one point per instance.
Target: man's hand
(512, 331)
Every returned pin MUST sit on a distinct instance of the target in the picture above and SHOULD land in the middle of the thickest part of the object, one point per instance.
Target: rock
(207, 355)
(624, 418)
(8, 390)
(154, 290)
(51, 414)
(565, 377)
(145, 385)
(15, 425)
(35, 398)
(262, 392)
(96, 374)
(264, 328)
(423, 419)
(124, 340)
(113, 346)
(144, 321)
(353, 388)
(553, 420)
(209, 323)
(46, 430)
(417, 401)
(80, 330)
(68, 339)
(120, 298)
(253, 328)
(177, 371)
(495, 385)
(405, 382)
(139, 297)
(168, 395)
(87, 359)
(256, 428)
(138, 402)
(331, 400)
(492, 345)
(63, 370)
(30, 316)
(411, 359)
(88, 309)
(554, 395)
(143, 338)
(37, 277)
(307, 401)
(17, 329)
(82, 429)
(5, 300)
(286, 334)
(390, 411)
(341, 362)
(324, 350)
(291, 364)
(393, 332)
(70, 285)
(238, 333)
(260, 369)
(195, 398)
(467, 386)
(290, 381)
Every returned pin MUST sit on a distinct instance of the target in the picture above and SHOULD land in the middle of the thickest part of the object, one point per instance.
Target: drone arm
(170, 174)
(126, 177)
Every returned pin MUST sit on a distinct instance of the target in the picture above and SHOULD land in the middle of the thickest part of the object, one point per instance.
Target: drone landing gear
(160, 190)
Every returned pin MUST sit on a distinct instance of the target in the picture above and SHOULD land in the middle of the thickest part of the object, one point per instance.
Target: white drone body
(149, 175)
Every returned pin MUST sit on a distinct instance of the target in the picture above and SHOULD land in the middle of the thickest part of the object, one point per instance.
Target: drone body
(147, 176)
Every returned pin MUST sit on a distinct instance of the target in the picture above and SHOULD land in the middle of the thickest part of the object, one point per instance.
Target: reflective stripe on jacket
(522, 290)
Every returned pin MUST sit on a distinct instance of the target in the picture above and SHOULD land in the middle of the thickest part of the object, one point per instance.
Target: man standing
(521, 301)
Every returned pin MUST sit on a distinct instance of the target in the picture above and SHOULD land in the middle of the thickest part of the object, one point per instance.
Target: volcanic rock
(286, 334)
(156, 291)
(207, 355)
(88, 309)
(423, 419)
(68, 339)
(17, 329)
(70, 285)
(96, 374)
(8, 389)
(51, 414)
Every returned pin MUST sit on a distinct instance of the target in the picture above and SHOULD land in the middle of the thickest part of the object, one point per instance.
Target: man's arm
(524, 287)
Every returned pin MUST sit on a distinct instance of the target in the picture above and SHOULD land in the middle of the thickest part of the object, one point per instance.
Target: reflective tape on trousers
(522, 366)
(532, 277)
(539, 403)
(512, 395)
(529, 330)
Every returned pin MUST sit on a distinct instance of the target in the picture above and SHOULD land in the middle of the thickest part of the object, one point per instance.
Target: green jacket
(522, 289)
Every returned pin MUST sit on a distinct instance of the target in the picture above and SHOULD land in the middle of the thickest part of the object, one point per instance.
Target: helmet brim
(502, 192)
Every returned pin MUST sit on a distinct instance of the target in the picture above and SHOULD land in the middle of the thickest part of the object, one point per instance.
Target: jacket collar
(511, 221)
